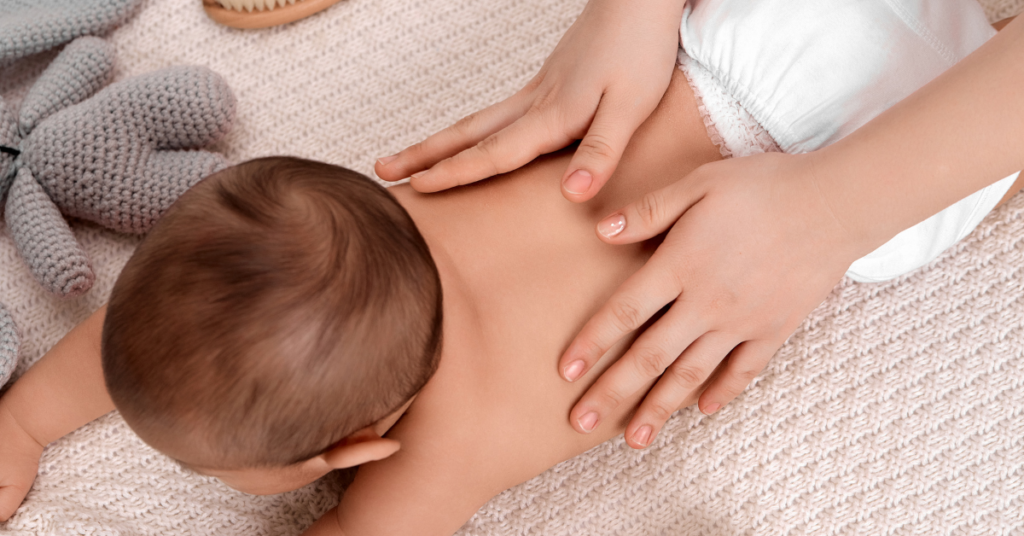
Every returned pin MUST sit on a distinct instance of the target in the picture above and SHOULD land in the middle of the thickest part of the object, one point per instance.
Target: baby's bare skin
(522, 270)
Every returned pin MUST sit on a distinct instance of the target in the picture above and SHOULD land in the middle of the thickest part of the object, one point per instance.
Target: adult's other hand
(752, 247)
(605, 77)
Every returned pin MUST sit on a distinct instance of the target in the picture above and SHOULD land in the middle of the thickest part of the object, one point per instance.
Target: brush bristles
(254, 5)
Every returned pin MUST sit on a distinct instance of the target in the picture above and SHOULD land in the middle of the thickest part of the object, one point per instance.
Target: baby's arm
(59, 394)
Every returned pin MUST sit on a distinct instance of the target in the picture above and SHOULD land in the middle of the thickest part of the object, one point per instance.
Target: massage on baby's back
(285, 318)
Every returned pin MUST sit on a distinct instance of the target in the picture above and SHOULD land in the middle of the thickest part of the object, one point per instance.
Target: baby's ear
(359, 448)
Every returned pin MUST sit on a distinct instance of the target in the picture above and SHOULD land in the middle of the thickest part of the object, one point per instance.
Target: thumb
(599, 152)
(651, 215)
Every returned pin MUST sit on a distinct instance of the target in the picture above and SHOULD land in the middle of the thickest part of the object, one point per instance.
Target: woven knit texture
(30, 26)
(896, 408)
(79, 71)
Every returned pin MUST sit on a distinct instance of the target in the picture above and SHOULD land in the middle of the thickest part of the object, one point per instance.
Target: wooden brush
(262, 13)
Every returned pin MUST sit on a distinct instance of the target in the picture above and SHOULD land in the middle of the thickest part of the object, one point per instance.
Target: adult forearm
(956, 135)
(65, 389)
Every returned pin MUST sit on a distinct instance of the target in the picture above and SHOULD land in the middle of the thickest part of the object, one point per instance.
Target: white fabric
(922, 243)
(812, 71)
(893, 409)
(729, 125)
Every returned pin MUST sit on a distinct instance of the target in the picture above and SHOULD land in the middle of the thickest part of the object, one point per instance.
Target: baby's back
(522, 271)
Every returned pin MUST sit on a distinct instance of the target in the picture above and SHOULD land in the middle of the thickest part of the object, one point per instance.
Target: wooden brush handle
(264, 19)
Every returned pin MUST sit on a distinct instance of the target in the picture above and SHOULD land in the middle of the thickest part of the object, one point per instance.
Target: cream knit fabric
(895, 408)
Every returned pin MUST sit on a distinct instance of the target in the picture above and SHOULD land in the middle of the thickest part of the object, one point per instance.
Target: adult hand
(752, 247)
(605, 77)
(19, 462)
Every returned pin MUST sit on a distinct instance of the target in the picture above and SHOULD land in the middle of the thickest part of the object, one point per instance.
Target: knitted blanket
(894, 408)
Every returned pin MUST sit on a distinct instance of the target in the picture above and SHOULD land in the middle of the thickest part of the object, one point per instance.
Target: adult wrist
(854, 187)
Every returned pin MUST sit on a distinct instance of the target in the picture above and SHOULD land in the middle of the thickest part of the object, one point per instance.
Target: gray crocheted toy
(117, 156)
(30, 26)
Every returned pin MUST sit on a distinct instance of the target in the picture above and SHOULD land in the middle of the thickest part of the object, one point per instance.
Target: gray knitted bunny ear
(81, 69)
(139, 135)
(30, 26)
(9, 344)
(45, 240)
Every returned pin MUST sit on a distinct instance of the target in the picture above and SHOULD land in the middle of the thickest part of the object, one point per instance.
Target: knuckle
(722, 302)
(650, 361)
(660, 411)
(466, 125)
(686, 375)
(612, 399)
(745, 375)
(489, 144)
(627, 314)
(598, 145)
(546, 101)
(650, 208)
(490, 148)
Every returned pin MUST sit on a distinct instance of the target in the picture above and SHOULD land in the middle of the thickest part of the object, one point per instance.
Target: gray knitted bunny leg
(30, 26)
(45, 240)
(9, 343)
(135, 205)
(81, 69)
(179, 107)
(8, 146)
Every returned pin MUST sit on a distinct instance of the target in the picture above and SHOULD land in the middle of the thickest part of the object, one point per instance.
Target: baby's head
(276, 319)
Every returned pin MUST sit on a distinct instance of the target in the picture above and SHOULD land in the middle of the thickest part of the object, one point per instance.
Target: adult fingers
(510, 148)
(635, 301)
(654, 213)
(642, 364)
(465, 133)
(600, 150)
(680, 380)
(742, 366)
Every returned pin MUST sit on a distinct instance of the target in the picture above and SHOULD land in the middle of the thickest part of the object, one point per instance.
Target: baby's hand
(19, 462)
(602, 81)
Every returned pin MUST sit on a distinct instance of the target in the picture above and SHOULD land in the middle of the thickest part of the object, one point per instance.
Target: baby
(285, 314)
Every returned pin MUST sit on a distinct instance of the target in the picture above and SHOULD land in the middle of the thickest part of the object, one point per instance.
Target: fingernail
(385, 160)
(418, 175)
(578, 183)
(711, 408)
(588, 422)
(572, 372)
(643, 435)
(612, 225)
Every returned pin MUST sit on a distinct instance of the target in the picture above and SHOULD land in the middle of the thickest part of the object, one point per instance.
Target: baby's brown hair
(279, 306)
